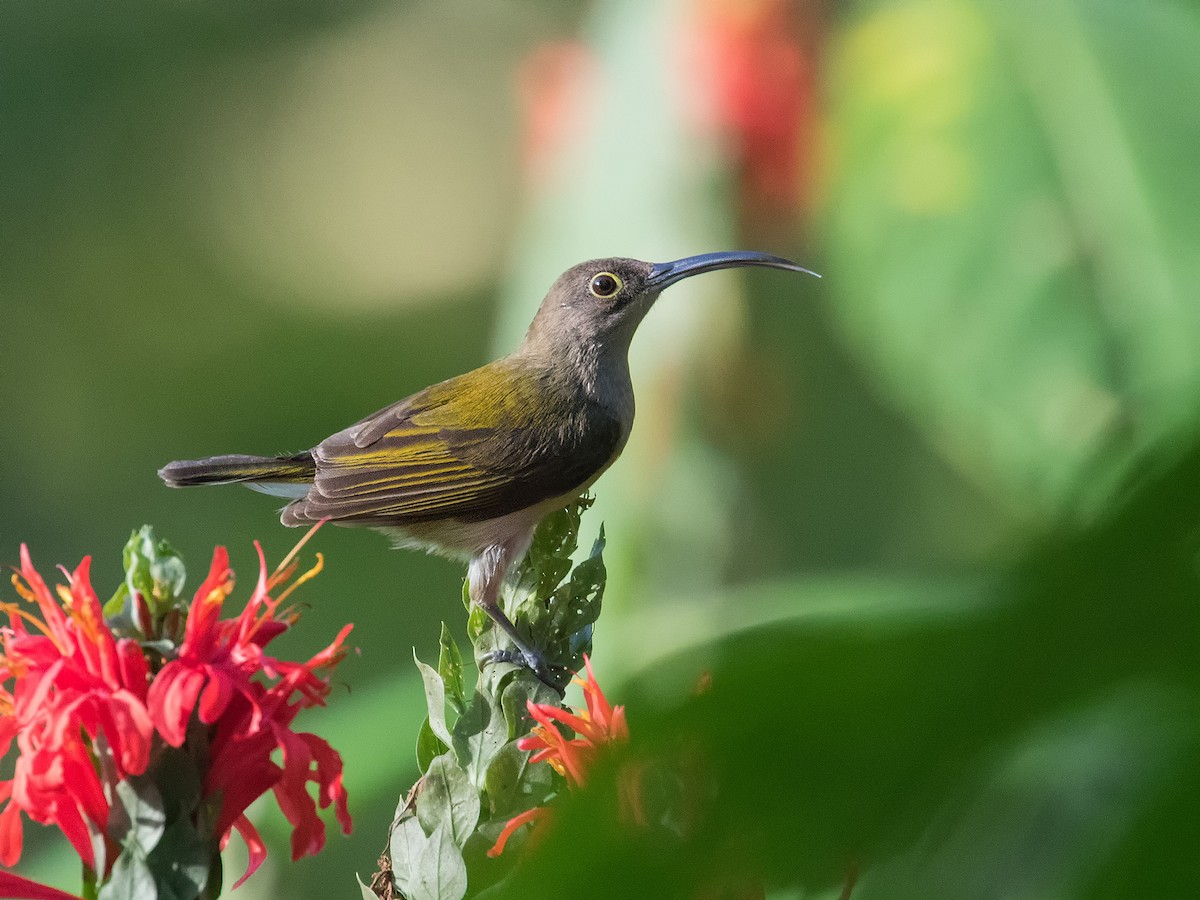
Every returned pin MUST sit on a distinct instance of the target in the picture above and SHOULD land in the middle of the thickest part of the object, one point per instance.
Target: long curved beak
(663, 275)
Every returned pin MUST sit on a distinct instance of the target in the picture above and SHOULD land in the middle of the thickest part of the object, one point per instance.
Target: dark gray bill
(664, 275)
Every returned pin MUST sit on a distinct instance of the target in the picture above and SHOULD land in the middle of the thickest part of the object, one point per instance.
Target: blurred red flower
(754, 64)
(748, 74)
(597, 726)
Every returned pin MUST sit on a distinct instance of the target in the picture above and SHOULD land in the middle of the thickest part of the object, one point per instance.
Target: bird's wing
(479, 446)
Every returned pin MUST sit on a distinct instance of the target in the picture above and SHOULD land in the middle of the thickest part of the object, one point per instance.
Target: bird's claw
(535, 663)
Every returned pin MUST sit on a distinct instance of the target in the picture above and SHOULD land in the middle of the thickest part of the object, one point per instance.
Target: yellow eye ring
(604, 285)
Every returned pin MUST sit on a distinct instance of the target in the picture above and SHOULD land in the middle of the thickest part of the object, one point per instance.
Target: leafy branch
(475, 778)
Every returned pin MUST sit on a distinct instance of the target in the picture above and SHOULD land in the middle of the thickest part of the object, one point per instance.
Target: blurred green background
(931, 523)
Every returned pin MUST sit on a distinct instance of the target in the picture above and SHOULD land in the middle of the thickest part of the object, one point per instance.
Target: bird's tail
(284, 476)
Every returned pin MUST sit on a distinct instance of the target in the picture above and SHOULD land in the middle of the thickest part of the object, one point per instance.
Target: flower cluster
(77, 710)
(596, 727)
(96, 707)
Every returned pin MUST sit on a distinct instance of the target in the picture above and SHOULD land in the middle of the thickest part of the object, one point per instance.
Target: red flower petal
(18, 888)
(83, 784)
(200, 628)
(135, 672)
(216, 696)
(71, 823)
(11, 836)
(52, 615)
(130, 731)
(514, 823)
(240, 773)
(255, 846)
(94, 639)
(329, 777)
(172, 697)
(8, 731)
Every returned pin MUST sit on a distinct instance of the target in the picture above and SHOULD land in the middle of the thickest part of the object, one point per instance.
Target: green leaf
(450, 667)
(426, 867)
(496, 675)
(564, 623)
(115, 606)
(549, 557)
(545, 597)
(1031, 295)
(408, 843)
(478, 736)
(178, 782)
(367, 893)
(520, 692)
(478, 622)
(1081, 777)
(137, 819)
(429, 746)
(599, 544)
(439, 873)
(131, 879)
(435, 699)
(153, 569)
(514, 784)
(577, 603)
(168, 850)
(448, 797)
(182, 862)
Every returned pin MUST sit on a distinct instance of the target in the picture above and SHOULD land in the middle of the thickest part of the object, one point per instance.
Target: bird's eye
(604, 285)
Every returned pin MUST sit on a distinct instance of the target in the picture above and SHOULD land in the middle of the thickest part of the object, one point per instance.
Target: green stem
(91, 889)
(212, 888)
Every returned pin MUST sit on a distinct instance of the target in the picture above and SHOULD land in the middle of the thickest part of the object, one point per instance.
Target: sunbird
(468, 467)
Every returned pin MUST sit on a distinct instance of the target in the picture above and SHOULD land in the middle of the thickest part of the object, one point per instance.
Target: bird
(468, 467)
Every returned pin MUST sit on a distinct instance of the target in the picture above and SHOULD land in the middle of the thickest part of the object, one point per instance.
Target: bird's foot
(550, 675)
(525, 654)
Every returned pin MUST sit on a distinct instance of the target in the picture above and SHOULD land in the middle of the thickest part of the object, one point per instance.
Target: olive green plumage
(470, 466)
(483, 445)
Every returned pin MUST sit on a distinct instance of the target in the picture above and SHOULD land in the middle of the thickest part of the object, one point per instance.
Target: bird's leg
(485, 576)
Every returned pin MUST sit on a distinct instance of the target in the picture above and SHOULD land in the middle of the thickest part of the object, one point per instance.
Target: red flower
(88, 710)
(78, 699)
(598, 725)
(213, 677)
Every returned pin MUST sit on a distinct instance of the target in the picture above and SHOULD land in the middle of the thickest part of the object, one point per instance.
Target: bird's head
(601, 302)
